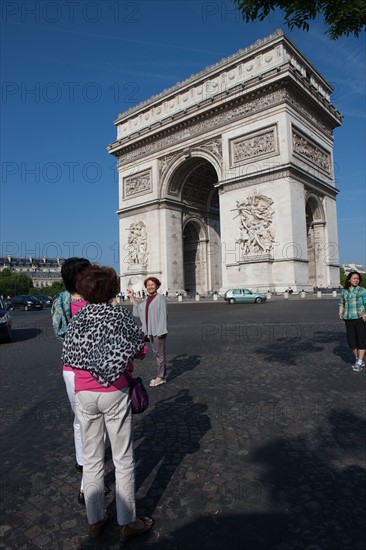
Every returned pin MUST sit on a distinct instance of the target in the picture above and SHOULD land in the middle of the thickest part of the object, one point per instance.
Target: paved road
(257, 441)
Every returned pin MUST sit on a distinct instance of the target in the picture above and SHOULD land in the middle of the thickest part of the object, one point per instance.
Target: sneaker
(358, 366)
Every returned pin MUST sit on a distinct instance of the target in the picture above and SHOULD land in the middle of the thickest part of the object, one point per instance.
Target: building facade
(227, 178)
(42, 271)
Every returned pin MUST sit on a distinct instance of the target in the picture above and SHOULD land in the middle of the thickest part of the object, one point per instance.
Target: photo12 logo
(71, 12)
(72, 92)
(51, 172)
(92, 250)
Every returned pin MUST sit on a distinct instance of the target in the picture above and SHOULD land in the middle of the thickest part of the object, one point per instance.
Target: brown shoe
(131, 531)
(96, 529)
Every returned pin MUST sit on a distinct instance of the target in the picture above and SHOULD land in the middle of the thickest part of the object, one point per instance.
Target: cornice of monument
(248, 68)
(160, 203)
(289, 171)
(285, 85)
(145, 137)
(259, 44)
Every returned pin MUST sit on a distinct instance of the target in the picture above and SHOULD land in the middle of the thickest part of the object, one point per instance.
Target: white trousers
(98, 411)
(69, 376)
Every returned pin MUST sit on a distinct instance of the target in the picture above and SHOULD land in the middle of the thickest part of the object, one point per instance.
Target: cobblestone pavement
(257, 441)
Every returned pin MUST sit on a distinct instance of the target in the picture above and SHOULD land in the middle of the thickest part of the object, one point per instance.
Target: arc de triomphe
(227, 180)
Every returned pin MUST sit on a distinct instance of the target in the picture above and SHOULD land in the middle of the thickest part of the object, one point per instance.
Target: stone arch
(315, 224)
(178, 164)
(193, 185)
(314, 209)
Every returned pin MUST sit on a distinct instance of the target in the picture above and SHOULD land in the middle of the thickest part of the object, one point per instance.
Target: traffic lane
(206, 327)
(30, 365)
(27, 325)
(213, 323)
(218, 323)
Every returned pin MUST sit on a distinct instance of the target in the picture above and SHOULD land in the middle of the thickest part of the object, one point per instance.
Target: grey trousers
(158, 348)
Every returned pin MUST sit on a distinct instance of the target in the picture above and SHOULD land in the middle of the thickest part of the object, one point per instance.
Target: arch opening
(194, 184)
(315, 241)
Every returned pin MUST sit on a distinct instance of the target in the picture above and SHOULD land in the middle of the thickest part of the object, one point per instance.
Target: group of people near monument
(100, 342)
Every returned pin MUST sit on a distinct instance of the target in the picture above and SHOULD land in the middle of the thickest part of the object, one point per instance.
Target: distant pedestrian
(154, 318)
(352, 309)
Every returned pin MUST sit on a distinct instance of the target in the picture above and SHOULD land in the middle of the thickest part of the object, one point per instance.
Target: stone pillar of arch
(226, 179)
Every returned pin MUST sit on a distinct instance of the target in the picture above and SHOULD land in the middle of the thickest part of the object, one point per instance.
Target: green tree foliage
(56, 288)
(50, 290)
(14, 283)
(341, 17)
(342, 277)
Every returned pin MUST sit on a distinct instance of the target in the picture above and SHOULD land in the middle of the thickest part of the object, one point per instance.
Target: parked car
(45, 300)
(5, 322)
(241, 295)
(25, 302)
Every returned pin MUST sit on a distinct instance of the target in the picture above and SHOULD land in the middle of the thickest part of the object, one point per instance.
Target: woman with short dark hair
(100, 344)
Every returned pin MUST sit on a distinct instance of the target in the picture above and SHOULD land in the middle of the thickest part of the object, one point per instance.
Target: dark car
(5, 323)
(45, 300)
(25, 302)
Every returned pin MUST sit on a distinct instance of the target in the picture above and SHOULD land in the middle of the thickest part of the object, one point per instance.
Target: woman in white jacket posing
(152, 312)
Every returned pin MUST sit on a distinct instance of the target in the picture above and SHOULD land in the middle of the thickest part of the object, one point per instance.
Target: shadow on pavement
(21, 334)
(181, 364)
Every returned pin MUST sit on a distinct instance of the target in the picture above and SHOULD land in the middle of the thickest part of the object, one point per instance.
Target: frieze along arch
(226, 179)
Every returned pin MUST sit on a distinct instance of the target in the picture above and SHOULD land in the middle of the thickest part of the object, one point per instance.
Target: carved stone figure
(255, 225)
(137, 245)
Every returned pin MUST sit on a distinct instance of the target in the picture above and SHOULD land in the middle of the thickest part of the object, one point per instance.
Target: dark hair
(154, 280)
(98, 284)
(347, 284)
(70, 270)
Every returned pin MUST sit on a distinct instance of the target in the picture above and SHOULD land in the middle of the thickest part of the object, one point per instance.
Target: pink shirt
(85, 382)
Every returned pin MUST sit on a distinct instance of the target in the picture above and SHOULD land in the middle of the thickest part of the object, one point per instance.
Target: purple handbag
(138, 394)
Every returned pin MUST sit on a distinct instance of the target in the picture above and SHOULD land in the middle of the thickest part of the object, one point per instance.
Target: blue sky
(68, 70)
